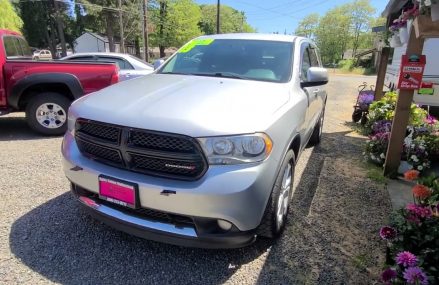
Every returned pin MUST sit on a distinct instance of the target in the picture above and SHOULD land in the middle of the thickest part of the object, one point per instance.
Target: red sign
(412, 70)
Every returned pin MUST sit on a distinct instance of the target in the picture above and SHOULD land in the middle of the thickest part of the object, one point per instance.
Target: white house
(92, 42)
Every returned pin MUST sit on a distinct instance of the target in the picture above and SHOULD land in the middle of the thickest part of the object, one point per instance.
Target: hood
(192, 105)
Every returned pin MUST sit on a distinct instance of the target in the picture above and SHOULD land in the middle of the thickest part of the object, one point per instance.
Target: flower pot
(404, 166)
(435, 12)
(425, 27)
(403, 35)
(395, 41)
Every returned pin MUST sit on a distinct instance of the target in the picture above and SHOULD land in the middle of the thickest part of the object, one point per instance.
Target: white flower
(414, 158)
(382, 156)
(420, 167)
(373, 157)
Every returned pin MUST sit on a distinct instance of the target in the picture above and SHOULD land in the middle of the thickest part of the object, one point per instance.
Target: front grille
(99, 152)
(149, 152)
(175, 167)
(160, 142)
(98, 130)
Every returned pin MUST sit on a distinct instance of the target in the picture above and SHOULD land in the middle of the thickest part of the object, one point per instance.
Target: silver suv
(201, 152)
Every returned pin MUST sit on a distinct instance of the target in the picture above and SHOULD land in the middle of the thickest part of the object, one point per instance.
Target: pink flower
(406, 259)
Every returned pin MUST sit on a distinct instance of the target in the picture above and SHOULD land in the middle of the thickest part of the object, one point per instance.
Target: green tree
(333, 34)
(360, 16)
(232, 21)
(175, 22)
(308, 26)
(8, 17)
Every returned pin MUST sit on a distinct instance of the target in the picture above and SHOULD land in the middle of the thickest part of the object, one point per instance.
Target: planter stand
(425, 27)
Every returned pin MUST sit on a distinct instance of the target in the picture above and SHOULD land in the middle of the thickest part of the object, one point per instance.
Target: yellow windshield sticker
(197, 42)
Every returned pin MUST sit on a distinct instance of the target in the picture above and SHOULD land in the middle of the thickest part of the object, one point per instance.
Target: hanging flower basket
(395, 41)
(425, 27)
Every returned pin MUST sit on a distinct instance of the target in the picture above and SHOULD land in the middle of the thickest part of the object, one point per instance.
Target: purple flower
(418, 211)
(387, 233)
(388, 275)
(431, 120)
(414, 275)
(406, 259)
(382, 126)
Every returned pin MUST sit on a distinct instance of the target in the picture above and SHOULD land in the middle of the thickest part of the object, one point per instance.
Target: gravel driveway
(331, 237)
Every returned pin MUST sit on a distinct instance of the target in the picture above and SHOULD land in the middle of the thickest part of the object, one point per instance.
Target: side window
(305, 62)
(314, 57)
(25, 47)
(118, 61)
(11, 47)
(81, 58)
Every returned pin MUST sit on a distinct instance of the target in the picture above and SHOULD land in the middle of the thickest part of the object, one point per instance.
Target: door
(310, 92)
(319, 91)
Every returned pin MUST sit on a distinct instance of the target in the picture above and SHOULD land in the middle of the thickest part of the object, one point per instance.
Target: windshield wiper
(216, 74)
(222, 74)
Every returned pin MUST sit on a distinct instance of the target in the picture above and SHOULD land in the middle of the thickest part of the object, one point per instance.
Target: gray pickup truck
(201, 152)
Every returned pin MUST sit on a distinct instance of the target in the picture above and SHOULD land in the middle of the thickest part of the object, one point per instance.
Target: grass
(361, 261)
(375, 173)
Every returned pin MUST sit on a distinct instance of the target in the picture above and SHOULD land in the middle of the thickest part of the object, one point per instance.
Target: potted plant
(426, 23)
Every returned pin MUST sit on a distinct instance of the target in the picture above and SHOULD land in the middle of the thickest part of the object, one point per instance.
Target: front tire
(316, 136)
(46, 113)
(276, 213)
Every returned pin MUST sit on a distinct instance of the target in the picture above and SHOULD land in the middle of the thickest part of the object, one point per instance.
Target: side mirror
(316, 76)
(158, 63)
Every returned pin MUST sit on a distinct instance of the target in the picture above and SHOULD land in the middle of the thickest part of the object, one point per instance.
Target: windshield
(241, 59)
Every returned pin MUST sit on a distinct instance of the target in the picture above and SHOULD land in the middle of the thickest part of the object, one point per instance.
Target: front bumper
(237, 194)
(183, 235)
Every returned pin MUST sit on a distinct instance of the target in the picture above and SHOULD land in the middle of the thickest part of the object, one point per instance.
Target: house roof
(393, 6)
(105, 38)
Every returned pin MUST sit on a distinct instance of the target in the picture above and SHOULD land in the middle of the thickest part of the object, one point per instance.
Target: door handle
(316, 92)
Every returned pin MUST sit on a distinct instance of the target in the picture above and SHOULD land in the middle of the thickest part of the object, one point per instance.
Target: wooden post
(402, 113)
(379, 86)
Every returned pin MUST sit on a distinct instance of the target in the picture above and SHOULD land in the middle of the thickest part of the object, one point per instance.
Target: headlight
(237, 149)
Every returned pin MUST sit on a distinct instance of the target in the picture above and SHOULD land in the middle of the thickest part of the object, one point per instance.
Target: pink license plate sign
(118, 192)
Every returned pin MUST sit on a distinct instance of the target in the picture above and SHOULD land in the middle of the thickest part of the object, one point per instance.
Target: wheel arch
(63, 83)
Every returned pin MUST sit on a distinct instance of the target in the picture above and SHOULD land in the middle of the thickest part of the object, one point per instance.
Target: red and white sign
(412, 71)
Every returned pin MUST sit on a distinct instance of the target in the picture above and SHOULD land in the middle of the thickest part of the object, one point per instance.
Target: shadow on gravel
(315, 248)
(15, 128)
(65, 245)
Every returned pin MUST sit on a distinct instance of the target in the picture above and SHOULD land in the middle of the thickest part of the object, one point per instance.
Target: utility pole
(145, 30)
(122, 40)
(218, 17)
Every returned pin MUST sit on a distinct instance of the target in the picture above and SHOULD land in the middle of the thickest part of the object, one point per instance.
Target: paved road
(45, 238)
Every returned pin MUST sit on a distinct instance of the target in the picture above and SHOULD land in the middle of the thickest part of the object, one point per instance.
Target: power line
(295, 12)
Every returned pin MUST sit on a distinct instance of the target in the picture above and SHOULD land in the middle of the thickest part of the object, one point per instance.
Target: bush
(346, 64)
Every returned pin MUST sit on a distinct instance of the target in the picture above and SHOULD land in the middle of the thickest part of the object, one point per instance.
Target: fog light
(224, 225)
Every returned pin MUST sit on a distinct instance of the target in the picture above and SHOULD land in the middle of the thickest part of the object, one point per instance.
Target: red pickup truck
(44, 90)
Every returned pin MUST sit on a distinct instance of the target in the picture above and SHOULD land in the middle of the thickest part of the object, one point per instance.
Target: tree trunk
(109, 28)
(137, 45)
(162, 29)
(60, 27)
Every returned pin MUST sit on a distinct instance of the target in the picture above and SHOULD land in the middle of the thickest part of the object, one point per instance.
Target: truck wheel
(46, 113)
(316, 136)
(276, 212)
